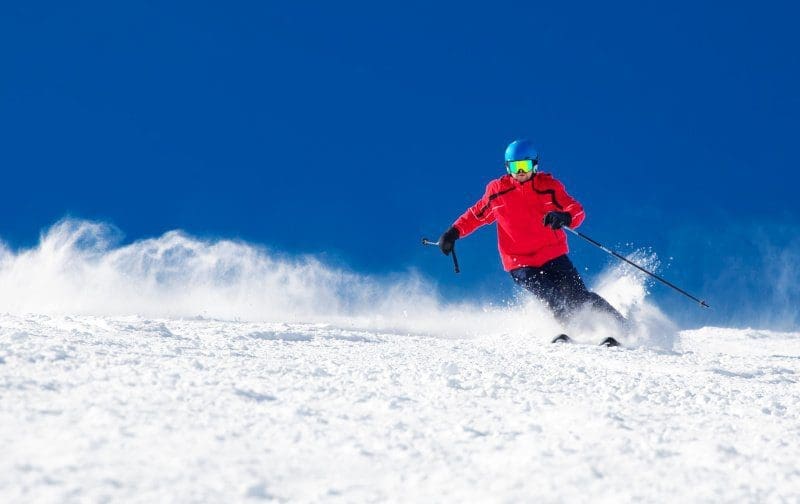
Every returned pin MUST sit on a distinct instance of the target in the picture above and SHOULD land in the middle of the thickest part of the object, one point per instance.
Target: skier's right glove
(448, 240)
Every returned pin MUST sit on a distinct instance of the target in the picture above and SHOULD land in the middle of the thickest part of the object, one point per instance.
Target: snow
(181, 370)
(135, 409)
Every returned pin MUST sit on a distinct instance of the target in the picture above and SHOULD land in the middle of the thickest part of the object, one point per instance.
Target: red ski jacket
(519, 210)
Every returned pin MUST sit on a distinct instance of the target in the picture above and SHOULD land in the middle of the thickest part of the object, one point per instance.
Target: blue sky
(353, 129)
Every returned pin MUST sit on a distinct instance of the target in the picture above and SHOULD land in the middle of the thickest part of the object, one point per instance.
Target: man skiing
(530, 208)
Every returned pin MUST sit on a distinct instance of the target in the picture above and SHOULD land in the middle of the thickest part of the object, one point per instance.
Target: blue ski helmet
(521, 149)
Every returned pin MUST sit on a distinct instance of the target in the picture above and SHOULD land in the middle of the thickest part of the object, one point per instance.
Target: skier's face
(523, 169)
(522, 176)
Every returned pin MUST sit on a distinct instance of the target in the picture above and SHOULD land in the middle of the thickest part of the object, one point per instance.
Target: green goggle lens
(522, 166)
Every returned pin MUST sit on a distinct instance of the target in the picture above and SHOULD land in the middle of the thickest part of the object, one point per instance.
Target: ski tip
(561, 338)
(610, 342)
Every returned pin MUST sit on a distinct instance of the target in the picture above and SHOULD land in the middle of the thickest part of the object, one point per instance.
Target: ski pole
(426, 241)
(618, 256)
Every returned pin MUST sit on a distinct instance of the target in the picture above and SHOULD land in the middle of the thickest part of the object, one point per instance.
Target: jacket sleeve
(568, 204)
(476, 216)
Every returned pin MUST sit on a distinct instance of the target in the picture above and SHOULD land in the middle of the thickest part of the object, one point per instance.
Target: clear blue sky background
(353, 129)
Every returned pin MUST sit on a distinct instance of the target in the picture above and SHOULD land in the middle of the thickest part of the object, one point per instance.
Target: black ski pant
(559, 285)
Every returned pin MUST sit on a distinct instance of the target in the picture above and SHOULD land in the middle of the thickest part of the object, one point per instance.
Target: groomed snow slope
(168, 410)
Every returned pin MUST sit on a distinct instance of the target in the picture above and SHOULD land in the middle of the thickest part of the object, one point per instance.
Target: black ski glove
(448, 240)
(555, 220)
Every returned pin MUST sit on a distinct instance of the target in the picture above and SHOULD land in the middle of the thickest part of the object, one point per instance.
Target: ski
(608, 342)
(562, 338)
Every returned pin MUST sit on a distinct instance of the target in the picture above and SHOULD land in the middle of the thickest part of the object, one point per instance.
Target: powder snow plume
(82, 267)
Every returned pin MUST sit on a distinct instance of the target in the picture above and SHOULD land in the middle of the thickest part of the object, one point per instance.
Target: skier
(530, 208)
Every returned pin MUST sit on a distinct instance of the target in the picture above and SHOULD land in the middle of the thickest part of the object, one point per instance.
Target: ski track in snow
(129, 409)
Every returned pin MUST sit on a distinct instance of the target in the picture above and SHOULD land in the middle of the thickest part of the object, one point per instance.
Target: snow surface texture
(248, 377)
(131, 409)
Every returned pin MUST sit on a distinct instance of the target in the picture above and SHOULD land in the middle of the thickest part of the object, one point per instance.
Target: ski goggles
(522, 166)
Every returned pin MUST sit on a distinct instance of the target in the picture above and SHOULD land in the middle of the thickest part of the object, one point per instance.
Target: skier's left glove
(556, 220)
